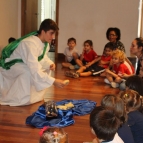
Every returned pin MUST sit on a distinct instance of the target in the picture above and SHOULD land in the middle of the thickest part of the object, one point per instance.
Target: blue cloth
(65, 118)
(125, 133)
(135, 122)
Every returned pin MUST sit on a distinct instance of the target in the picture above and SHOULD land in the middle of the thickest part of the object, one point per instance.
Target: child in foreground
(120, 67)
(133, 104)
(53, 135)
(116, 104)
(141, 68)
(71, 54)
(104, 124)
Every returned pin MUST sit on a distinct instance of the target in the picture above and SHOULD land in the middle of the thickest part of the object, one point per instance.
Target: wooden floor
(12, 119)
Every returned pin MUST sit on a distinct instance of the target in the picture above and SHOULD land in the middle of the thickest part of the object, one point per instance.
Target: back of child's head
(116, 104)
(104, 123)
(89, 42)
(53, 135)
(72, 39)
(132, 100)
(120, 54)
(135, 83)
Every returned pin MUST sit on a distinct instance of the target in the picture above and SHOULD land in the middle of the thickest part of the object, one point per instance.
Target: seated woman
(137, 50)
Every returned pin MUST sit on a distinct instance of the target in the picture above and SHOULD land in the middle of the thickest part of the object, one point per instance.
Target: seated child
(104, 124)
(116, 104)
(71, 54)
(87, 59)
(133, 104)
(53, 135)
(135, 83)
(120, 67)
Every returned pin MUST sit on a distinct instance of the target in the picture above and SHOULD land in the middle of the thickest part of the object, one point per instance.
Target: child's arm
(125, 76)
(111, 73)
(92, 62)
(104, 62)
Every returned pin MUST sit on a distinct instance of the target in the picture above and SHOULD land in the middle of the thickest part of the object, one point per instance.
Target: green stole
(8, 50)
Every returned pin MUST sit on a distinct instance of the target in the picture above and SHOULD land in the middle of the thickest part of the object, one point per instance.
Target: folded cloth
(66, 106)
(65, 117)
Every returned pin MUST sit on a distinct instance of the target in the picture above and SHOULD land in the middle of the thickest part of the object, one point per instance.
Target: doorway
(35, 11)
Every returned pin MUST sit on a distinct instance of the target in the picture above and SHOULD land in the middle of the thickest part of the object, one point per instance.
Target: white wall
(10, 20)
(89, 19)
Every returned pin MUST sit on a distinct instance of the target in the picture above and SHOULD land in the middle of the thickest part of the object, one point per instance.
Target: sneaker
(107, 81)
(114, 84)
(72, 67)
(71, 74)
(95, 73)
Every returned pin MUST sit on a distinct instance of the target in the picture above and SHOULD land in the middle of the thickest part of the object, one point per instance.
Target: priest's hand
(52, 67)
(59, 83)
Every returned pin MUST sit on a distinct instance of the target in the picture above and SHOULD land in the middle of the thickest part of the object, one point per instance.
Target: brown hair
(49, 136)
(120, 54)
(116, 104)
(132, 100)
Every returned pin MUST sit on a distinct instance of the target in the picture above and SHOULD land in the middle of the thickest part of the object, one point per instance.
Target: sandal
(71, 74)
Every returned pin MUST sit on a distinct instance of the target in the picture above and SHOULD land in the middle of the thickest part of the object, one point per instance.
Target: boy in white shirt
(71, 54)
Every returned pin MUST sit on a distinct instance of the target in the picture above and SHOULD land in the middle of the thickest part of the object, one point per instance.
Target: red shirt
(105, 59)
(90, 56)
(123, 68)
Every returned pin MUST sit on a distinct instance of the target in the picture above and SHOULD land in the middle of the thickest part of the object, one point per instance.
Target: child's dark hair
(52, 135)
(89, 42)
(116, 104)
(72, 39)
(48, 24)
(11, 39)
(116, 30)
(104, 123)
(109, 45)
(132, 100)
(135, 83)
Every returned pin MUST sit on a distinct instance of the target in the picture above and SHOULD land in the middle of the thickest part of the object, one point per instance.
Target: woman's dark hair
(135, 83)
(139, 41)
(48, 24)
(89, 42)
(116, 30)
